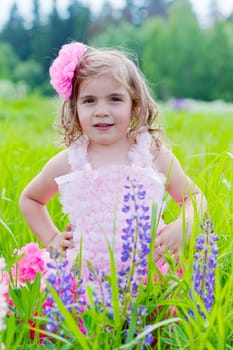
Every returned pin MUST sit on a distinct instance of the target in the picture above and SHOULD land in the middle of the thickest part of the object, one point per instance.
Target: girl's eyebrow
(117, 94)
(81, 97)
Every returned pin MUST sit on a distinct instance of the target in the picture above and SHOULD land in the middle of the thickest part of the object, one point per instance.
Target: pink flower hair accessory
(63, 67)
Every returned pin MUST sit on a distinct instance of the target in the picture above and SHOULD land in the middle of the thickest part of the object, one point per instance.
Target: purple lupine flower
(101, 291)
(65, 281)
(205, 262)
(149, 339)
(136, 236)
(136, 240)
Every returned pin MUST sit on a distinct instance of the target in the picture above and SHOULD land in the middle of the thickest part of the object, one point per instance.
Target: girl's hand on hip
(62, 241)
(169, 238)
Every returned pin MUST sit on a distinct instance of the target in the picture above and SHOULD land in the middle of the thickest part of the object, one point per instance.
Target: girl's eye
(88, 100)
(116, 99)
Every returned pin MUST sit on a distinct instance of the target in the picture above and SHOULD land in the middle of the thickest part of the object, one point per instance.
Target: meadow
(202, 139)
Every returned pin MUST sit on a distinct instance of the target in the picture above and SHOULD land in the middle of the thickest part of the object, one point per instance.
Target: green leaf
(114, 286)
(151, 262)
(132, 325)
(11, 331)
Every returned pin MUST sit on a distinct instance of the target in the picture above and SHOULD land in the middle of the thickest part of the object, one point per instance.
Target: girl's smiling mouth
(103, 126)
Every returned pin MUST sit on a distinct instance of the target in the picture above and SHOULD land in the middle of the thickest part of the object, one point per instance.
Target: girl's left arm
(187, 195)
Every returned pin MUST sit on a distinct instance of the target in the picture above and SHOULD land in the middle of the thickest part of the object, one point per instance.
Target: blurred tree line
(179, 57)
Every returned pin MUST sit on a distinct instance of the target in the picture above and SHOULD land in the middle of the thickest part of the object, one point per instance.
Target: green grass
(204, 145)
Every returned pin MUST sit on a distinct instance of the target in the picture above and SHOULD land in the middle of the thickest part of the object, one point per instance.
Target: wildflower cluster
(205, 262)
(136, 236)
(66, 283)
(30, 260)
(102, 294)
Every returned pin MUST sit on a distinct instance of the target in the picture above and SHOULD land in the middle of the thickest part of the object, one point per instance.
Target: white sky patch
(25, 7)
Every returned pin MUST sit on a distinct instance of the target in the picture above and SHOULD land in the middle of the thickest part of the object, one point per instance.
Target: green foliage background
(179, 56)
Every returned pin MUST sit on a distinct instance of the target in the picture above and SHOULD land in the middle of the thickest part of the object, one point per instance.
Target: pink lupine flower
(34, 260)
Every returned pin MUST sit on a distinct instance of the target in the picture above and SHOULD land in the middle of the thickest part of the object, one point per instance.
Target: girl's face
(104, 109)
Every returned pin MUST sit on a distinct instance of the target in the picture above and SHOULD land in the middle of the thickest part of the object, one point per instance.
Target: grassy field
(203, 142)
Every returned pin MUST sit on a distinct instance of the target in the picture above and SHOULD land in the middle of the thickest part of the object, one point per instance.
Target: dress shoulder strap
(77, 153)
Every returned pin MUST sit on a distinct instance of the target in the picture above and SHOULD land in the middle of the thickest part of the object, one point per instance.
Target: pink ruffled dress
(94, 200)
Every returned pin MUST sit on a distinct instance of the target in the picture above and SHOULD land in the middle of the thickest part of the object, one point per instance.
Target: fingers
(68, 235)
(68, 228)
(177, 258)
(66, 240)
(159, 254)
(66, 243)
(161, 251)
(63, 241)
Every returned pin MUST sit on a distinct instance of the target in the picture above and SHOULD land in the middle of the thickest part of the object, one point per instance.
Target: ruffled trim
(140, 153)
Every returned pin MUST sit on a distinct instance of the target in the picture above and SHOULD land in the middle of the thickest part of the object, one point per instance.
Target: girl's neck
(104, 155)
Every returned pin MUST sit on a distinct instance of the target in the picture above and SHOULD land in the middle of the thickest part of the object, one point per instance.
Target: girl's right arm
(37, 194)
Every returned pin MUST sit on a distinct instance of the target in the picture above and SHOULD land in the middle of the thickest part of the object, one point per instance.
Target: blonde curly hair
(97, 62)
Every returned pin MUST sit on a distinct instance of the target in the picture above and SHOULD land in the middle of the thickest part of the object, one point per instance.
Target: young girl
(114, 158)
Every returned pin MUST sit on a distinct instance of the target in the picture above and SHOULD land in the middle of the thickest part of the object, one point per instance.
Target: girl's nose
(101, 110)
